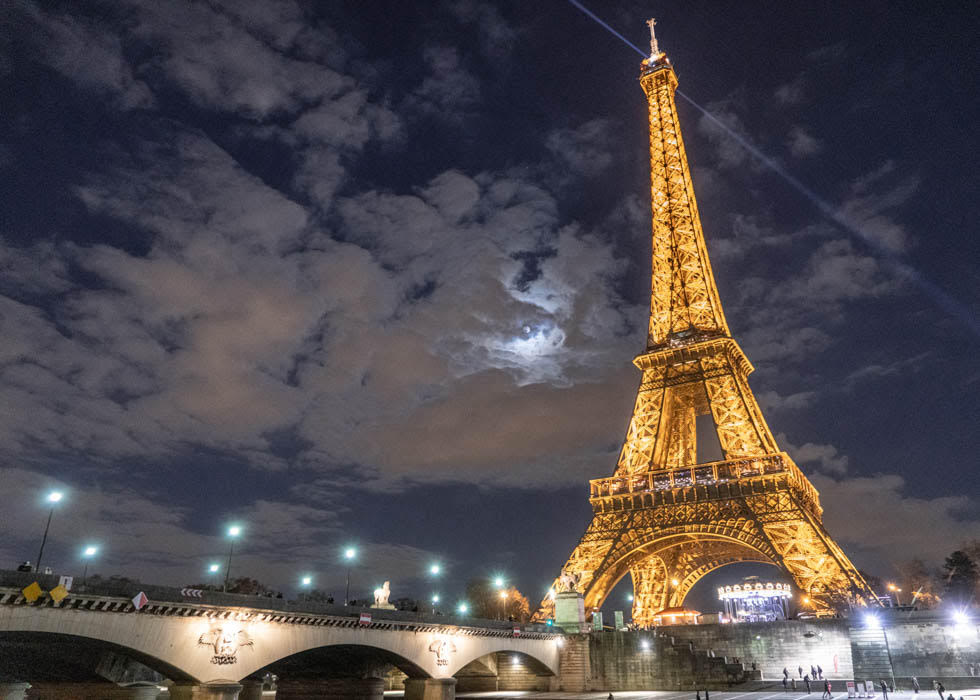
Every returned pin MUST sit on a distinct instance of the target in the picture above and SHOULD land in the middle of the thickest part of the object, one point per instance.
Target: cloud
(801, 143)
(825, 457)
(773, 401)
(88, 54)
(586, 149)
(793, 92)
(159, 544)
(497, 36)
(450, 91)
(880, 525)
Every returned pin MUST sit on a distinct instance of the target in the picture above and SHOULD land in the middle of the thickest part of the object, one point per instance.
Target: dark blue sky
(374, 273)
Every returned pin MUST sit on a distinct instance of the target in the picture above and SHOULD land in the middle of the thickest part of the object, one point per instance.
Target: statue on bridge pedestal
(381, 596)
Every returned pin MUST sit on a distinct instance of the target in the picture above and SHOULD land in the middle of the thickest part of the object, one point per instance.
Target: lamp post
(349, 554)
(462, 608)
(435, 599)
(233, 532)
(53, 498)
(896, 590)
(87, 553)
(503, 604)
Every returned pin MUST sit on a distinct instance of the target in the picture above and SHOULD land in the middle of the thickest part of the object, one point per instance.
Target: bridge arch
(58, 657)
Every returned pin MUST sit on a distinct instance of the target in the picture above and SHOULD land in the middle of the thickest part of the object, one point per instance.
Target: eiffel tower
(666, 518)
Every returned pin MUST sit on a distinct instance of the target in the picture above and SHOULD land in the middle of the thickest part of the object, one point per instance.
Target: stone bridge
(96, 644)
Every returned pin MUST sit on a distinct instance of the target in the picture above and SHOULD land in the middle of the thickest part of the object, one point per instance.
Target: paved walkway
(689, 695)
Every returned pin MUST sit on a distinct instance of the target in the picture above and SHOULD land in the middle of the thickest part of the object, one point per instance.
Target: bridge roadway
(219, 646)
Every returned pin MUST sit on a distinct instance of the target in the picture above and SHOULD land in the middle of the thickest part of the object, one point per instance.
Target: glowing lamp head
(645, 644)
(629, 597)
(674, 582)
(463, 608)
(435, 598)
(90, 551)
(307, 580)
(961, 618)
(871, 620)
(214, 568)
(55, 497)
(234, 531)
(498, 581)
(350, 553)
(435, 569)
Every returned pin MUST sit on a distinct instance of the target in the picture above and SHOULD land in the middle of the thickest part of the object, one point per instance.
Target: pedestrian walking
(813, 672)
(800, 669)
(819, 671)
(884, 689)
(706, 696)
(785, 672)
(698, 697)
(806, 679)
(941, 689)
(785, 684)
(826, 691)
(915, 685)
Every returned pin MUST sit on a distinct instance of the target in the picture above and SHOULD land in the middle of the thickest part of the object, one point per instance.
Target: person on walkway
(785, 683)
(813, 672)
(819, 671)
(698, 695)
(915, 685)
(785, 672)
(800, 669)
(941, 689)
(806, 679)
(827, 695)
(884, 689)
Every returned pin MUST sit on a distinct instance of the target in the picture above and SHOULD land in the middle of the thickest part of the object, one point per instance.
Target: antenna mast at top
(654, 49)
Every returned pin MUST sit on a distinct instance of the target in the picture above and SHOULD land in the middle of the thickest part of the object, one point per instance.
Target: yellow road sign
(32, 592)
(58, 593)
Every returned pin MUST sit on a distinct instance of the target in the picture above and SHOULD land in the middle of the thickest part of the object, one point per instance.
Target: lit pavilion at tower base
(755, 600)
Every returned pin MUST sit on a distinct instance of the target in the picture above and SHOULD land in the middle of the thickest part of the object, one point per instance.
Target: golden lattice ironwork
(665, 518)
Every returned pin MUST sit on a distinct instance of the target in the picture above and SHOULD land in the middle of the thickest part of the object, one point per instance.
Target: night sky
(373, 273)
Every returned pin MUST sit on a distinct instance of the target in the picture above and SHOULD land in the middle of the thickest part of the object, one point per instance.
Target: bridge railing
(127, 589)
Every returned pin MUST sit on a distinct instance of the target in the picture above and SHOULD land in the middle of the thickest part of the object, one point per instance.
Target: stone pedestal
(139, 692)
(215, 690)
(570, 612)
(430, 689)
(330, 689)
(13, 691)
(252, 690)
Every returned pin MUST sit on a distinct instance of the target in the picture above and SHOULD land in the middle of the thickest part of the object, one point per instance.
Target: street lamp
(233, 532)
(503, 604)
(214, 568)
(896, 590)
(349, 554)
(87, 553)
(498, 581)
(306, 581)
(435, 569)
(629, 597)
(435, 599)
(462, 608)
(53, 498)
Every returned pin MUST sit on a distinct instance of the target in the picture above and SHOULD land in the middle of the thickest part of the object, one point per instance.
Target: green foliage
(960, 577)
(485, 601)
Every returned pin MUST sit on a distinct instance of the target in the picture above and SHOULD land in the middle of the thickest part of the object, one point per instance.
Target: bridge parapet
(116, 596)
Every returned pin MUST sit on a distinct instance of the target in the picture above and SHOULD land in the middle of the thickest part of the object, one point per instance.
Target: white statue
(567, 581)
(381, 595)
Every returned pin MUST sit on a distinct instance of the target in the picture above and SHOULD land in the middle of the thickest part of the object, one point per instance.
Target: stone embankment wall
(927, 645)
(777, 645)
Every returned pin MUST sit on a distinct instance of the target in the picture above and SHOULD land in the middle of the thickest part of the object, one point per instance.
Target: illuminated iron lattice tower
(665, 518)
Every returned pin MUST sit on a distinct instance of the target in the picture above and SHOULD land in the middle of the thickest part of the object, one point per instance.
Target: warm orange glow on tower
(666, 516)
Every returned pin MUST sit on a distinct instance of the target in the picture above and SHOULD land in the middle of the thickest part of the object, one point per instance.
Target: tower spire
(654, 49)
